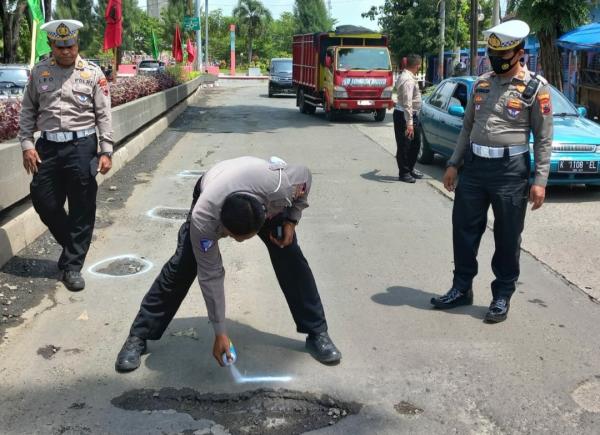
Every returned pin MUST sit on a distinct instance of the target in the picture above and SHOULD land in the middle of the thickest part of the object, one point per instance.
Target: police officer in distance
(493, 149)
(66, 99)
(237, 198)
(406, 116)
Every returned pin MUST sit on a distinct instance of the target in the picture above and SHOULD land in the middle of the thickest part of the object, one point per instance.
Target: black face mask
(500, 65)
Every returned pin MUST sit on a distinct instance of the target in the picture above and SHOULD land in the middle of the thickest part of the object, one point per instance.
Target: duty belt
(66, 136)
(498, 152)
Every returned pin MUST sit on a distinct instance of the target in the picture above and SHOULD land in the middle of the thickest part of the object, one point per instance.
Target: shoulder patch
(206, 244)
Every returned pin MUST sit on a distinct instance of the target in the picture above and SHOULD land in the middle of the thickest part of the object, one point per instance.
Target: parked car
(13, 79)
(576, 143)
(147, 67)
(280, 76)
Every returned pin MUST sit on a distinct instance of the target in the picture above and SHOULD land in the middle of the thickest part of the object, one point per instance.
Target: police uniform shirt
(497, 115)
(66, 99)
(279, 187)
(409, 95)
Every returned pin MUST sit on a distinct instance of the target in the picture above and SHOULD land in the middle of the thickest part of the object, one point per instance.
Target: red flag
(191, 52)
(113, 34)
(177, 50)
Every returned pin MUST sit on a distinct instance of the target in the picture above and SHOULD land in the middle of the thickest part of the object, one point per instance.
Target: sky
(344, 11)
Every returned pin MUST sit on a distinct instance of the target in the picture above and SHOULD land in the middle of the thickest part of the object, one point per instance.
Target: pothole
(263, 411)
(48, 351)
(168, 213)
(191, 173)
(587, 395)
(407, 408)
(121, 266)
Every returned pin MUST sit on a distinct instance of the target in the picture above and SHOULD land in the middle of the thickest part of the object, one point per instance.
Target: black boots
(73, 280)
(322, 348)
(454, 298)
(129, 357)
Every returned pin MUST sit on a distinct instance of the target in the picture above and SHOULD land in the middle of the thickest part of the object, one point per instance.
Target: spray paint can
(233, 355)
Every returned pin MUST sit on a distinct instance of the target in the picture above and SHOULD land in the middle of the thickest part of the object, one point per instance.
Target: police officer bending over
(238, 198)
(66, 99)
(493, 148)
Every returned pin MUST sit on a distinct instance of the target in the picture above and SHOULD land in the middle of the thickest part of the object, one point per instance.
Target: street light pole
(206, 33)
(496, 13)
(474, 33)
(442, 37)
(198, 39)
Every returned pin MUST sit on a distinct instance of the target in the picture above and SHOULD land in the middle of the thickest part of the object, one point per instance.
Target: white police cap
(62, 32)
(507, 35)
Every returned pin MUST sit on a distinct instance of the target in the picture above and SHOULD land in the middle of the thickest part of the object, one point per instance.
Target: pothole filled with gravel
(263, 411)
(125, 265)
(169, 213)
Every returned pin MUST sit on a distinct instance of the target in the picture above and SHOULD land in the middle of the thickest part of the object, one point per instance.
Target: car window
(560, 105)
(460, 96)
(146, 64)
(442, 95)
(18, 76)
(282, 66)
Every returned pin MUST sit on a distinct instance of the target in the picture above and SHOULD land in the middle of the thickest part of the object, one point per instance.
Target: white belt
(66, 136)
(498, 152)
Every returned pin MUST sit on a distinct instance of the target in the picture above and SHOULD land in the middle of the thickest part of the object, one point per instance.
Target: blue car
(575, 147)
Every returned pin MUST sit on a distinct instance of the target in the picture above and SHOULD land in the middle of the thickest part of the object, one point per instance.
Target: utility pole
(198, 39)
(496, 13)
(442, 37)
(206, 32)
(474, 33)
(456, 47)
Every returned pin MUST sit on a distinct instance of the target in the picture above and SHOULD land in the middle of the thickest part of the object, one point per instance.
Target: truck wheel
(425, 155)
(301, 101)
(380, 115)
(330, 113)
(309, 108)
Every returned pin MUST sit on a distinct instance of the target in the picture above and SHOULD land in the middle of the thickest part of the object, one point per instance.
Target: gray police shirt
(281, 188)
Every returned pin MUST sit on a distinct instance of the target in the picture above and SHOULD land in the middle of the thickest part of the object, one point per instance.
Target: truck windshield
(363, 58)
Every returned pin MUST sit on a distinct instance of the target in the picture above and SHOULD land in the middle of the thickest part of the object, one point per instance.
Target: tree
(550, 19)
(252, 18)
(11, 12)
(311, 16)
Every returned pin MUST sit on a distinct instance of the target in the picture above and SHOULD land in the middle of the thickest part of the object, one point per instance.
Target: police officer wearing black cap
(493, 149)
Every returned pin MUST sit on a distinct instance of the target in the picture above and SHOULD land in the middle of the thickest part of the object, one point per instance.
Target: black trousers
(406, 149)
(67, 172)
(502, 183)
(170, 287)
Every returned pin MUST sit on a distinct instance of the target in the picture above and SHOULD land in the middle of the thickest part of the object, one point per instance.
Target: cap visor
(65, 43)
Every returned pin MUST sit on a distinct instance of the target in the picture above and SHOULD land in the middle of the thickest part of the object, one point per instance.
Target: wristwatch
(107, 154)
(450, 163)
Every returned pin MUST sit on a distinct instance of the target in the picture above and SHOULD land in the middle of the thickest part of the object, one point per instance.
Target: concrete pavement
(379, 250)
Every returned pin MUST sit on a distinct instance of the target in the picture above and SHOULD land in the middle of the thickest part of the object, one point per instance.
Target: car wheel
(380, 115)
(425, 155)
(270, 92)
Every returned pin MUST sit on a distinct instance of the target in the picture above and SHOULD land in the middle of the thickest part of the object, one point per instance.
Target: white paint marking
(239, 379)
(152, 213)
(191, 173)
(91, 270)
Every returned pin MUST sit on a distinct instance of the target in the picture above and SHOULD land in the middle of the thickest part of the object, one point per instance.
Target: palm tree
(550, 19)
(252, 17)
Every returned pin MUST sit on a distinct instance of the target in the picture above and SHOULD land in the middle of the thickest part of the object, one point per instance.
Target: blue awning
(586, 38)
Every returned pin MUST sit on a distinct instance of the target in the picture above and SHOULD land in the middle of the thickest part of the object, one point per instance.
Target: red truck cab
(343, 72)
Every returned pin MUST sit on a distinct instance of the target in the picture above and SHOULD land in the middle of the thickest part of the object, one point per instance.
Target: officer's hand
(31, 160)
(104, 164)
(450, 178)
(288, 235)
(537, 194)
(410, 132)
(221, 345)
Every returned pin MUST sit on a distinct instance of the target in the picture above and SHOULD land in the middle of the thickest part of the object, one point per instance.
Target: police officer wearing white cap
(66, 99)
(493, 150)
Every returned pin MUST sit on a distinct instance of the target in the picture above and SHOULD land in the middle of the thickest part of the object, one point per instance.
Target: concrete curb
(26, 226)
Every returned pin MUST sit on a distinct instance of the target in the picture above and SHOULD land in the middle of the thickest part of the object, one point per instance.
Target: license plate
(578, 166)
(365, 103)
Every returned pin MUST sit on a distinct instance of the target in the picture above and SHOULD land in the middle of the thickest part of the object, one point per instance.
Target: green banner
(41, 40)
(155, 51)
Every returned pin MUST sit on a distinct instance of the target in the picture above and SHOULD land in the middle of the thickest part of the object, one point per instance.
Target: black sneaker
(407, 178)
(73, 280)
(130, 356)
(498, 310)
(454, 298)
(322, 348)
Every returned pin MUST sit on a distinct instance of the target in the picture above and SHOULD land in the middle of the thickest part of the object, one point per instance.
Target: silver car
(13, 79)
(149, 67)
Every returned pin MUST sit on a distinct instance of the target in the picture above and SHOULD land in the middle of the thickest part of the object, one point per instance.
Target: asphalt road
(379, 250)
